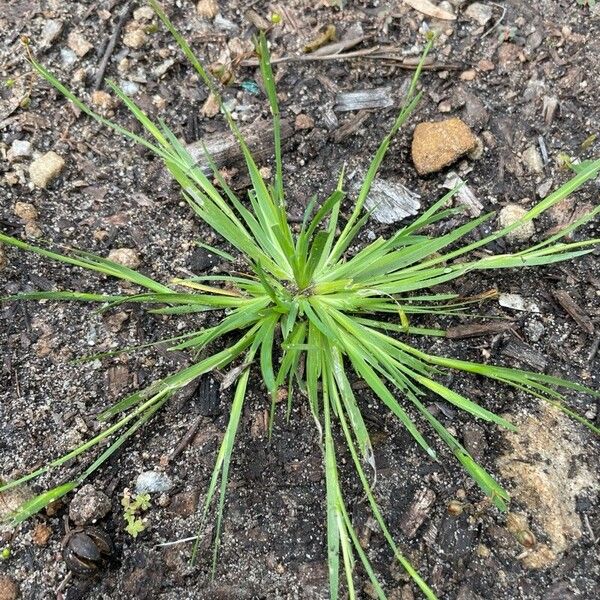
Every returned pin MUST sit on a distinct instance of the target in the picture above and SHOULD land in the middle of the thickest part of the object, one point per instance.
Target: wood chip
(390, 201)
(519, 350)
(362, 99)
(431, 10)
(224, 149)
(477, 329)
(574, 310)
(465, 195)
(417, 512)
(350, 126)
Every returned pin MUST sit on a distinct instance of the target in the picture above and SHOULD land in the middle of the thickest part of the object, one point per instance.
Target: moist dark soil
(528, 75)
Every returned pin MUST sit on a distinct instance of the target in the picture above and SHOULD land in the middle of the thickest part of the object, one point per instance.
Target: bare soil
(503, 83)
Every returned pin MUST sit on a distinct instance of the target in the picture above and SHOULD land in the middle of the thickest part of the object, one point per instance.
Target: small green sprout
(132, 509)
(6, 552)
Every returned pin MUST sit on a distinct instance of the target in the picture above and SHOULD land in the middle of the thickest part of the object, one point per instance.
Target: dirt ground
(520, 74)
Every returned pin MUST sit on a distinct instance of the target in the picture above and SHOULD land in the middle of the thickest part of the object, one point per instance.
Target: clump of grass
(329, 314)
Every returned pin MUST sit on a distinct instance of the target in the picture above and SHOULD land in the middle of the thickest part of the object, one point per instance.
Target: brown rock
(185, 504)
(9, 588)
(26, 211)
(41, 534)
(102, 100)
(135, 39)
(32, 231)
(303, 122)
(486, 65)
(438, 144)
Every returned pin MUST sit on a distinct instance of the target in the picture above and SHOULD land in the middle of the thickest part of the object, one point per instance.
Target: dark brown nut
(101, 539)
(79, 566)
(84, 546)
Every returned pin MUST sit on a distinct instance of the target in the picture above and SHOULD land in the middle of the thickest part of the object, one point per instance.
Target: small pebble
(46, 168)
(26, 211)
(152, 482)
(20, 149)
(303, 121)
(510, 214)
(89, 505)
(207, 8)
(102, 100)
(135, 39)
(78, 44)
(144, 13)
(126, 257)
(534, 330)
(50, 32)
(486, 65)
(68, 57)
(478, 12)
(533, 160)
(41, 534)
(9, 588)
(32, 230)
(544, 188)
(129, 87)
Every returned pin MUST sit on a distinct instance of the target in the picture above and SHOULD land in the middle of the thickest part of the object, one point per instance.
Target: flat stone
(50, 32)
(517, 302)
(89, 505)
(20, 149)
(46, 168)
(544, 463)
(78, 44)
(510, 214)
(478, 12)
(438, 144)
(152, 482)
(390, 201)
(127, 257)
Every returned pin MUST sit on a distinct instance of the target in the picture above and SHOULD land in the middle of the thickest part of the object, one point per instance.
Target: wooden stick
(112, 42)
(375, 52)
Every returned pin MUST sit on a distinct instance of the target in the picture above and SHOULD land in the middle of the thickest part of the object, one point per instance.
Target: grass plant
(311, 313)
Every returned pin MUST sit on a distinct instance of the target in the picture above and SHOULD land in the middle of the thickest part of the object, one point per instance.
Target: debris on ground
(389, 201)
